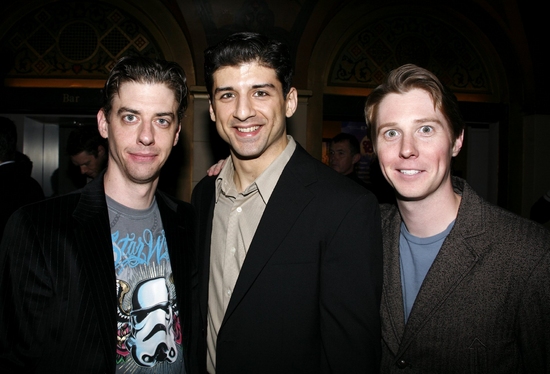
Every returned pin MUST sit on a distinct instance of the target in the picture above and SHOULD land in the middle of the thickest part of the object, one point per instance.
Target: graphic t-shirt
(149, 336)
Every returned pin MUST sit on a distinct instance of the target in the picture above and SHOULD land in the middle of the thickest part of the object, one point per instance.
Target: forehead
(411, 106)
(82, 157)
(341, 145)
(249, 73)
(141, 93)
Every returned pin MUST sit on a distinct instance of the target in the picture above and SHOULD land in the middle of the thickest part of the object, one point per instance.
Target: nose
(408, 147)
(83, 169)
(244, 109)
(146, 135)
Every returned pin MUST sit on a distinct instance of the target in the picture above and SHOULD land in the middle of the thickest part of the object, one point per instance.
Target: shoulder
(203, 191)
(44, 218)
(499, 228)
(173, 203)
(313, 172)
(205, 184)
(512, 228)
(54, 205)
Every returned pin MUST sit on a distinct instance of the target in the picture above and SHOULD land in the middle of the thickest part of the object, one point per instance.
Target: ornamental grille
(370, 54)
(78, 39)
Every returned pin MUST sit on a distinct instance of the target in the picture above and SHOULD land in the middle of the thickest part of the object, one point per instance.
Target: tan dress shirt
(236, 217)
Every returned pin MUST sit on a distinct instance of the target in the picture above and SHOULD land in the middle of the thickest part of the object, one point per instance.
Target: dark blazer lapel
(392, 309)
(287, 201)
(93, 242)
(203, 200)
(173, 231)
(455, 259)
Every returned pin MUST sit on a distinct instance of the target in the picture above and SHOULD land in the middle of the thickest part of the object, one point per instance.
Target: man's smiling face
(250, 110)
(414, 145)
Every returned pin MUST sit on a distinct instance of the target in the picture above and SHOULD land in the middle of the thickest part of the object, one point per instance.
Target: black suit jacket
(307, 297)
(16, 189)
(58, 299)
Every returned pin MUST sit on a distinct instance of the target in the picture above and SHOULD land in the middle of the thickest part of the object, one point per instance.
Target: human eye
(226, 96)
(391, 133)
(260, 93)
(163, 122)
(426, 129)
(129, 118)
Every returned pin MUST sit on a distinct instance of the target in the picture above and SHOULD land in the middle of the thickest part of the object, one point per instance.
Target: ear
(100, 150)
(291, 102)
(212, 113)
(102, 124)
(457, 146)
(176, 138)
(356, 157)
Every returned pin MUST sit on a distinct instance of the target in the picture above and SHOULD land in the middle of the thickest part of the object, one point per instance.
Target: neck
(247, 170)
(429, 217)
(130, 194)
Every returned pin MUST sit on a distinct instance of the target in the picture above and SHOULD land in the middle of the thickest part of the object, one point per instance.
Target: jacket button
(402, 364)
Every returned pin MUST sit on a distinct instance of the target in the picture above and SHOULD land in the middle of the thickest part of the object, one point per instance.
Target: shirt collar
(265, 183)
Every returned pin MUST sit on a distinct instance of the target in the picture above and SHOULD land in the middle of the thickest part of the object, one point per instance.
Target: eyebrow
(416, 121)
(255, 86)
(429, 119)
(135, 111)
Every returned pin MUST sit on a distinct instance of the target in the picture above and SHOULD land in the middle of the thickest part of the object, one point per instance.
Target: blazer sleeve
(534, 319)
(351, 284)
(25, 290)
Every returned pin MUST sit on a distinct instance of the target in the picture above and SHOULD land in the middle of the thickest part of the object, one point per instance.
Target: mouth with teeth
(248, 129)
(409, 172)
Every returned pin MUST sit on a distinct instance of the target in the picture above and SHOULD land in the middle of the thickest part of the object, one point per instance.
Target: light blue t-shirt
(416, 256)
(149, 336)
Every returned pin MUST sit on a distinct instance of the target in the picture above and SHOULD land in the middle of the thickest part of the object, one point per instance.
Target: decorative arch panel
(73, 40)
(366, 58)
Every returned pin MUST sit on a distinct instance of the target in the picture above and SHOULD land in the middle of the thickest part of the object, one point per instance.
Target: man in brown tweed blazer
(466, 284)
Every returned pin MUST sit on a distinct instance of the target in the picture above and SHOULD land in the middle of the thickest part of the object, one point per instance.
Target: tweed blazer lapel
(287, 201)
(93, 242)
(392, 309)
(455, 259)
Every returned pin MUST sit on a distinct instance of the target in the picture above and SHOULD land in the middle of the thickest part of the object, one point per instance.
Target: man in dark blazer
(17, 187)
(290, 251)
(466, 284)
(100, 280)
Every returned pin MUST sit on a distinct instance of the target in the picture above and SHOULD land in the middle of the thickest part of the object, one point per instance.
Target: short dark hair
(8, 140)
(351, 139)
(142, 69)
(85, 139)
(246, 47)
(409, 77)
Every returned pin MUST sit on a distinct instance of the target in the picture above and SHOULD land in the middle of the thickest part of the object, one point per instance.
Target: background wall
(56, 55)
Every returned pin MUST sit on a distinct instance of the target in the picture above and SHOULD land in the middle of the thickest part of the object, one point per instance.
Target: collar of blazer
(456, 258)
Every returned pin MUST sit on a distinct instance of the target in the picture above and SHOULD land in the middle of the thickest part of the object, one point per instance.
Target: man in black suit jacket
(17, 187)
(290, 251)
(100, 280)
